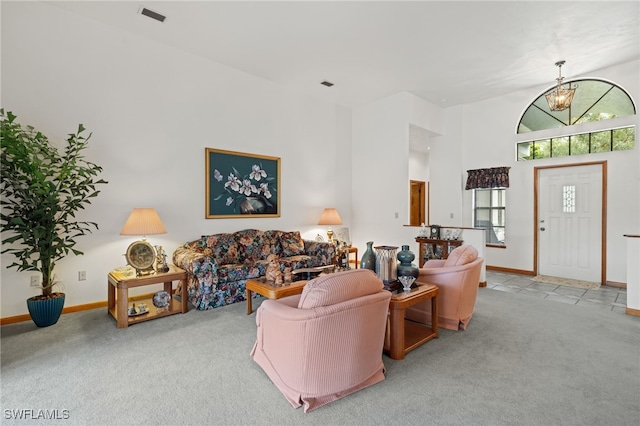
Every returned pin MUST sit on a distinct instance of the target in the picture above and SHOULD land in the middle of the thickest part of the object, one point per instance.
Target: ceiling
(448, 53)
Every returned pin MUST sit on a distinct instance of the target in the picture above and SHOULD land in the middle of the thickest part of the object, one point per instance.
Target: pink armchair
(457, 279)
(325, 343)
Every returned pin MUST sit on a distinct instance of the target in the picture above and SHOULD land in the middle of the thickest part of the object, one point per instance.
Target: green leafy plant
(42, 190)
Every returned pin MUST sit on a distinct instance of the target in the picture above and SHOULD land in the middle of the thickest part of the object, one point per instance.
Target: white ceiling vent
(152, 14)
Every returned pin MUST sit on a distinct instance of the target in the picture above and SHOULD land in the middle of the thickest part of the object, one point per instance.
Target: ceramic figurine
(161, 260)
(288, 277)
(273, 269)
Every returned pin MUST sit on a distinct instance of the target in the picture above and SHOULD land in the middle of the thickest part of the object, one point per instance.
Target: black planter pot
(45, 312)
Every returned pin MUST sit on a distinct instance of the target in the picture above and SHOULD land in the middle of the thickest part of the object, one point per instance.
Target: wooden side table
(270, 291)
(355, 251)
(118, 296)
(403, 335)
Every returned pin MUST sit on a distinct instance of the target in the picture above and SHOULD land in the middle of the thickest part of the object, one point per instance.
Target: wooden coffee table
(271, 291)
(403, 335)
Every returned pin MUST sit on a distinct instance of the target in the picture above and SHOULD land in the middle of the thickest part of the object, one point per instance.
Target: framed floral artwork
(241, 185)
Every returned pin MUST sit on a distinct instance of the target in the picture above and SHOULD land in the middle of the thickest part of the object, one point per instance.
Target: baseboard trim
(68, 310)
(616, 284)
(510, 270)
(634, 312)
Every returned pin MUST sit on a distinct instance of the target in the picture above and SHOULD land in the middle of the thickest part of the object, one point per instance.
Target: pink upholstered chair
(457, 279)
(325, 343)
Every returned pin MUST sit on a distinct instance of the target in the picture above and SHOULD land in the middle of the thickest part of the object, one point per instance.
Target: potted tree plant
(42, 190)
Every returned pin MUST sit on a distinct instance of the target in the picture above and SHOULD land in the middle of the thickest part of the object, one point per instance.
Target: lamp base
(330, 235)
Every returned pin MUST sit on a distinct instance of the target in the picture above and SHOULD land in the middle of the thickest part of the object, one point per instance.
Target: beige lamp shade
(330, 216)
(143, 221)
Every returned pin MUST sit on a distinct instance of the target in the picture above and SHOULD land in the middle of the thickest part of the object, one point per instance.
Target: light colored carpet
(566, 282)
(521, 361)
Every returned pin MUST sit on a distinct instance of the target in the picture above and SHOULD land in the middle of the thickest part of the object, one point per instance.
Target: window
(489, 213)
(595, 100)
(585, 143)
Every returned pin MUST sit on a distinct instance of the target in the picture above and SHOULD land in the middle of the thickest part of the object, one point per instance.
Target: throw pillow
(291, 244)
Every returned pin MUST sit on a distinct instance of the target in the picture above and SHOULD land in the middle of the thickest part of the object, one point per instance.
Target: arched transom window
(594, 100)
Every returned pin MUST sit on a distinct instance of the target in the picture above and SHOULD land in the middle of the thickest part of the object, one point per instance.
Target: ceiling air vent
(327, 83)
(151, 14)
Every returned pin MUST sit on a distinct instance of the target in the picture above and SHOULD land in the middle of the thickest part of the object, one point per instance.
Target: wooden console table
(445, 247)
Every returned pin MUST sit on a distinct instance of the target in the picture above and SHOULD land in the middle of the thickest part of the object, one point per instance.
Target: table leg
(248, 295)
(396, 331)
(111, 296)
(122, 300)
(434, 315)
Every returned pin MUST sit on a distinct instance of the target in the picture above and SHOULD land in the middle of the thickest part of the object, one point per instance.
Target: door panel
(570, 222)
(417, 203)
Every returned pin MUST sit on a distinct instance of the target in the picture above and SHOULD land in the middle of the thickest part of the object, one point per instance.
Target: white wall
(152, 111)
(488, 140)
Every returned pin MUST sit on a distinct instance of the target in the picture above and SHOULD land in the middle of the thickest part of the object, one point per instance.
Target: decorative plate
(161, 299)
(140, 255)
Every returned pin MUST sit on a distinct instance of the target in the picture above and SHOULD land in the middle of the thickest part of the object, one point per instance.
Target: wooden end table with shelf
(403, 335)
(118, 295)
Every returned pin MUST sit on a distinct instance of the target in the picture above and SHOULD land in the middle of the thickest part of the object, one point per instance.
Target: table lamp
(140, 254)
(330, 217)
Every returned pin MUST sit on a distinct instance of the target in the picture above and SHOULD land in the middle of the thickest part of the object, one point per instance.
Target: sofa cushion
(339, 287)
(291, 244)
(252, 245)
(223, 246)
(272, 239)
(461, 256)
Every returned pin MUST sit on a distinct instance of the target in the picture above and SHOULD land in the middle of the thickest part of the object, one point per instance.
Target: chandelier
(560, 97)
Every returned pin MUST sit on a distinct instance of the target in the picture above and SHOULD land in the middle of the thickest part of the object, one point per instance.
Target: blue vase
(368, 258)
(45, 312)
(405, 267)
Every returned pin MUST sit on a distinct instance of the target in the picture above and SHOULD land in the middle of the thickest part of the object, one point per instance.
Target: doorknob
(542, 229)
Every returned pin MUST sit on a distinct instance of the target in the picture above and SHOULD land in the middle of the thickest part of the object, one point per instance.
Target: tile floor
(607, 298)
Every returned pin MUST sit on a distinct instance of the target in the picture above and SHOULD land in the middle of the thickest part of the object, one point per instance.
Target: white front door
(570, 222)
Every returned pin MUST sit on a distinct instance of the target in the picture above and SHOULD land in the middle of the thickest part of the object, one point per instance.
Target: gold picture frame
(241, 185)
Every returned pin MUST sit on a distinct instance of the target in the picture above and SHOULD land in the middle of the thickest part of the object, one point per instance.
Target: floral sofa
(218, 265)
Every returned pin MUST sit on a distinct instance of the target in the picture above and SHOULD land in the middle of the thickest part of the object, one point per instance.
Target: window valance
(488, 178)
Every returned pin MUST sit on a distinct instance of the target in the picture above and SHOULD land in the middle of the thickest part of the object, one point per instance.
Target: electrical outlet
(82, 275)
(396, 215)
(35, 281)
(451, 215)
